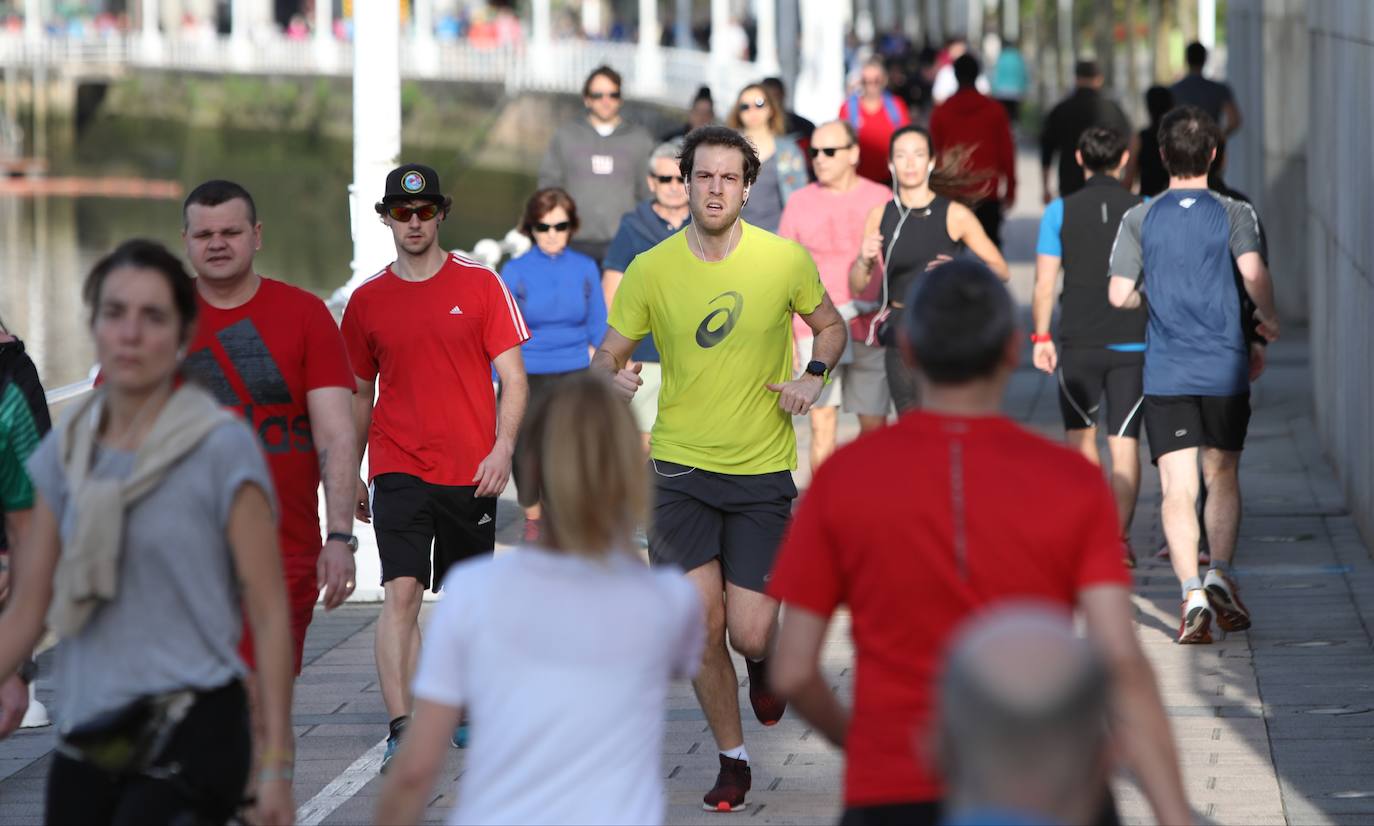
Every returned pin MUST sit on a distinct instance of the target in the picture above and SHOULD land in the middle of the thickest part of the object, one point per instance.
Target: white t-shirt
(564, 664)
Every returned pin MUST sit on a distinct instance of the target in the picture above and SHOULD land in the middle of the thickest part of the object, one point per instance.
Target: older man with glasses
(597, 160)
(874, 113)
(827, 218)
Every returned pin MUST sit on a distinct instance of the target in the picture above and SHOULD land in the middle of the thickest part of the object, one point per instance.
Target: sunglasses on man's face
(669, 179)
(600, 95)
(561, 226)
(829, 151)
(756, 103)
(403, 213)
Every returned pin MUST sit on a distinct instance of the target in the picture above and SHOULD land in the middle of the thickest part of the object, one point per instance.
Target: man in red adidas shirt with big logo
(273, 352)
(431, 326)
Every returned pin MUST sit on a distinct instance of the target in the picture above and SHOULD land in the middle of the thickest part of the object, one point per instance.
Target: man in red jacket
(973, 120)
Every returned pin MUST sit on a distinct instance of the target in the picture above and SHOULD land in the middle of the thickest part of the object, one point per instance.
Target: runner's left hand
(14, 701)
(1257, 354)
(275, 807)
(797, 396)
(494, 471)
(937, 261)
(335, 574)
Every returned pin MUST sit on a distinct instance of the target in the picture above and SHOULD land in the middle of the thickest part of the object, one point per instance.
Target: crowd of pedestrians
(637, 374)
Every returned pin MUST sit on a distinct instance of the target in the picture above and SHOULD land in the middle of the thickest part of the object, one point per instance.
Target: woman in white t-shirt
(562, 653)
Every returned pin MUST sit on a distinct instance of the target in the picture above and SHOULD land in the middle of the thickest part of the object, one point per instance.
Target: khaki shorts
(645, 403)
(865, 381)
(831, 395)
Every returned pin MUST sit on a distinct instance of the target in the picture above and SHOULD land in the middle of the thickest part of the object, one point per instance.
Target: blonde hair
(777, 121)
(581, 452)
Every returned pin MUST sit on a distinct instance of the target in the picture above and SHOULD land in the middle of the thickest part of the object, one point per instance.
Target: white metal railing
(659, 74)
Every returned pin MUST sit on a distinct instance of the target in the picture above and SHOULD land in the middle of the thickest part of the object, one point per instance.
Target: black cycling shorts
(411, 515)
(1089, 374)
(701, 516)
(1180, 422)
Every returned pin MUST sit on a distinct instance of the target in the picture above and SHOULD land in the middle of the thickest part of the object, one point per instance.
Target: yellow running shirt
(724, 331)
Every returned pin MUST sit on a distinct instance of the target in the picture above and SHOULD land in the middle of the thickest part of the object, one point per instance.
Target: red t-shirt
(875, 131)
(970, 118)
(917, 527)
(262, 358)
(432, 343)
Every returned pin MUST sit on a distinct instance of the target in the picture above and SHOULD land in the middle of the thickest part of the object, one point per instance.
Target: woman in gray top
(153, 523)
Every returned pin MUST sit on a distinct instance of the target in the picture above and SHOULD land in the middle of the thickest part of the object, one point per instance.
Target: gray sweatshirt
(606, 177)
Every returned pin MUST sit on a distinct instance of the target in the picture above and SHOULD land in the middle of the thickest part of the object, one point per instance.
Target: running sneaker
(533, 530)
(460, 736)
(768, 707)
(1196, 624)
(1224, 596)
(393, 741)
(732, 784)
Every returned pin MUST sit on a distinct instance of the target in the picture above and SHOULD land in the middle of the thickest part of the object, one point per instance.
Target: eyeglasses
(670, 179)
(403, 213)
(561, 226)
(756, 103)
(600, 95)
(828, 150)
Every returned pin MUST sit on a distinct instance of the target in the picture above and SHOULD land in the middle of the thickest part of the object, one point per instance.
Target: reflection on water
(300, 183)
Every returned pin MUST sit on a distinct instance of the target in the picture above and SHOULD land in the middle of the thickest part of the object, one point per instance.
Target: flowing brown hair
(952, 176)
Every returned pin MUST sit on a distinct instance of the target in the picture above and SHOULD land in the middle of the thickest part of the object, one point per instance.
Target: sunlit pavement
(1275, 725)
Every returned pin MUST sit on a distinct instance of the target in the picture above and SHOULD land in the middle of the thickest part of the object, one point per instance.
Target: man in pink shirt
(827, 218)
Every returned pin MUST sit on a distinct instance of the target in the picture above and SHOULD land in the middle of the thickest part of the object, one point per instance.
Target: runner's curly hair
(718, 136)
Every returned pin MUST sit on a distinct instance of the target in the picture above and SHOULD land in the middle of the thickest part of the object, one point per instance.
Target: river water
(300, 183)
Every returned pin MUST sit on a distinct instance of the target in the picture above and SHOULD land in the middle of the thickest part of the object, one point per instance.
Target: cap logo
(413, 182)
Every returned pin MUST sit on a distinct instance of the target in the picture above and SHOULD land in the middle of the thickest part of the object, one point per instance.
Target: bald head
(835, 155)
(1023, 706)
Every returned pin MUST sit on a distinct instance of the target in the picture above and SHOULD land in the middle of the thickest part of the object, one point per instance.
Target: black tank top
(924, 235)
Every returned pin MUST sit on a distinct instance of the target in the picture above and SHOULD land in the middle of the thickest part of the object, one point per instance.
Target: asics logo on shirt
(455, 310)
(707, 336)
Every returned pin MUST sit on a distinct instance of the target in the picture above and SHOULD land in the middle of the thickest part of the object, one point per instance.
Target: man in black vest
(1103, 348)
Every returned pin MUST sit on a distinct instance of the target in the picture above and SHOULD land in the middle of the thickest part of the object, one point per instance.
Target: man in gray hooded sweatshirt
(599, 160)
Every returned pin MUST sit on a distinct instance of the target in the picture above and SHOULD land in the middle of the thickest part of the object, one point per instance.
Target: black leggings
(901, 382)
(211, 746)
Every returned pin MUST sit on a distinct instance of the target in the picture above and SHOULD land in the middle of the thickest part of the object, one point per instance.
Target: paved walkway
(1275, 725)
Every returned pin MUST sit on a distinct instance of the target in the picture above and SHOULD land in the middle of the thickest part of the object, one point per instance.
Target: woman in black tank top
(921, 227)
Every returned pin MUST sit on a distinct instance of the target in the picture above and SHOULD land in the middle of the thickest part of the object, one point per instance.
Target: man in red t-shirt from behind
(273, 352)
(963, 510)
(430, 327)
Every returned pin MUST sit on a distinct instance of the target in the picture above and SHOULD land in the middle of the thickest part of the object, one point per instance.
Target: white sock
(737, 754)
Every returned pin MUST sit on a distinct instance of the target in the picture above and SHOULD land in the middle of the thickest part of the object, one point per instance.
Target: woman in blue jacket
(559, 294)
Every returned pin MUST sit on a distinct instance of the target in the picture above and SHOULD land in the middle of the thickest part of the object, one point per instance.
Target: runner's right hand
(627, 381)
(362, 512)
(1267, 327)
(871, 247)
(1045, 357)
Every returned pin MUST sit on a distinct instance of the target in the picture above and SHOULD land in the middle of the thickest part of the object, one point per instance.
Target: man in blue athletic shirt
(1178, 249)
(1100, 349)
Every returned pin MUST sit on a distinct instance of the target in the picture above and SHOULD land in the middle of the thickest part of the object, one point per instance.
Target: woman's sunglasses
(403, 213)
(756, 103)
(600, 95)
(561, 226)
(828, 150)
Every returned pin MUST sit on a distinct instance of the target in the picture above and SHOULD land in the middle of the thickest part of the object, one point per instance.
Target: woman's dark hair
(543, 202)
(600, 71)
(1187, 136)
(147, 255)
(718, 136)
(1158, 101)
(1101, 148)
(952, 176)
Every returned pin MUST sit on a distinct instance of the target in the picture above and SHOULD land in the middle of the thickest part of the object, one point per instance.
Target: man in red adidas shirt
(979, 124)
(273, 352)
(430, 326)
(962, 510)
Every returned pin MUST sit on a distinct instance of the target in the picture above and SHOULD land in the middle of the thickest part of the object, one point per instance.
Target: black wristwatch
(28, 671)
(819, 369)
(347, 538)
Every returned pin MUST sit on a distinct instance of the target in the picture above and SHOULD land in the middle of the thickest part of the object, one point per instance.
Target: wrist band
(283, 756)
(1041, 338)
(286, 773)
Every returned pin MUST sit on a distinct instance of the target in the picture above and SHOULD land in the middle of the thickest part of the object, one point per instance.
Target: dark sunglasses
(403, 213)
(600, 95)
(757, 103)
(828, 150)
(669, 179)
(561, 226)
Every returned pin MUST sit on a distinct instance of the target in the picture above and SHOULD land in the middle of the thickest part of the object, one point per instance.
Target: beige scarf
(87, 573)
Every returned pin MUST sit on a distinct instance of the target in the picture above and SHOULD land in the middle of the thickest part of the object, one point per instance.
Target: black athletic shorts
(700, 516)
(410, 515)
(1180, 422)
(1087, 374)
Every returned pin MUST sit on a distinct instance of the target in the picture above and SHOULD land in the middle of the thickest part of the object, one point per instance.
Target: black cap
(412, 181)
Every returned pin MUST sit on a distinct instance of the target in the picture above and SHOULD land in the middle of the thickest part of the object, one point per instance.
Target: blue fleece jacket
(561, 300)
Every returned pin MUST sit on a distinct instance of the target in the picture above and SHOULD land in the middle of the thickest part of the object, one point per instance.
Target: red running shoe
(1195, 627)
(732, 784)
(767, 707)
(1224, 596)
